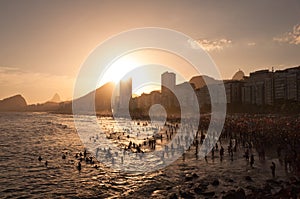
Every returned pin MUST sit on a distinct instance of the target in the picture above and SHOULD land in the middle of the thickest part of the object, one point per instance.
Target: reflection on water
(25, 136)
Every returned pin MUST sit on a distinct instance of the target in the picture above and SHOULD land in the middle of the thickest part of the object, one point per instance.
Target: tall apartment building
(269, 87)
(266, 87)
(280, 86)
(253, 90)
(125, 93)
(168, 82)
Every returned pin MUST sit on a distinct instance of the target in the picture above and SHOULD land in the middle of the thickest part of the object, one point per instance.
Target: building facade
(125, 93)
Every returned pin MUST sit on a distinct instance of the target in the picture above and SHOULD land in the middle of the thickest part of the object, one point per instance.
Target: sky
(44, 43)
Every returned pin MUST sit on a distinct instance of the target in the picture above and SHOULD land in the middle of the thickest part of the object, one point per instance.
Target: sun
(119, 68)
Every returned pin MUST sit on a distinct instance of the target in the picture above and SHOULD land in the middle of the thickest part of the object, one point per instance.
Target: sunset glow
(57, 37)
(118, 69)
(150, 99)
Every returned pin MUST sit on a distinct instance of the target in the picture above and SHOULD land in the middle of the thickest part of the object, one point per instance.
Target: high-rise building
(279, 86)
(168, 83)
(168, 80)
(233, 90)
(253, 91)
(269, 88)
(291, 84)
(286, 84)
(125, 93)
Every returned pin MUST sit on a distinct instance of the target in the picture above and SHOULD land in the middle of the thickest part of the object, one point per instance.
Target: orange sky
(44, 43)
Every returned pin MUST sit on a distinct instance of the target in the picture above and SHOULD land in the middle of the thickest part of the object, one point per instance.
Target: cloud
(251, 44)
(194, 44)
(291, 37)
(214, 45)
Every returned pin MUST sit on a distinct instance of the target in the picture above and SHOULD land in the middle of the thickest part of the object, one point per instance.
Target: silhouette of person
(251, 160)
(273, 167)
(221, 153)
(79, 166)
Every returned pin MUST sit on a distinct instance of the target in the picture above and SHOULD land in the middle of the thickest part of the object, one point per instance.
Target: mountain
(200, 81)
(55, 98)
(101, 97)
(14, 103)
(84, 104)
(239, 75)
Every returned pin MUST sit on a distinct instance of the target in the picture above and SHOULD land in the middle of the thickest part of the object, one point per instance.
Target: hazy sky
(44, 43)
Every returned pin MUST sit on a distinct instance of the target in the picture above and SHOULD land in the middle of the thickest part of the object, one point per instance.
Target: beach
(26, 136)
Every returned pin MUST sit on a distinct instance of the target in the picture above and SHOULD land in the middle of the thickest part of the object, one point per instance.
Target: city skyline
(263, 91)
(172, 82)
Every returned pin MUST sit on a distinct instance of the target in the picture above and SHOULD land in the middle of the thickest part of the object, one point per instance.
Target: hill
(101, 97)
(202, 80)
(14, 103)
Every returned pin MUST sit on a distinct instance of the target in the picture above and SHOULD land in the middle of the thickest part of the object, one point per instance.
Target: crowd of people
(277, 135)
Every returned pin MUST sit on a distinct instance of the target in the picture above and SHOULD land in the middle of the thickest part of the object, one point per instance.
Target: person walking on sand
(221, 153)
(79, 166)
(40, 158)
(251, 160)
(273, 167)
(247, 155)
